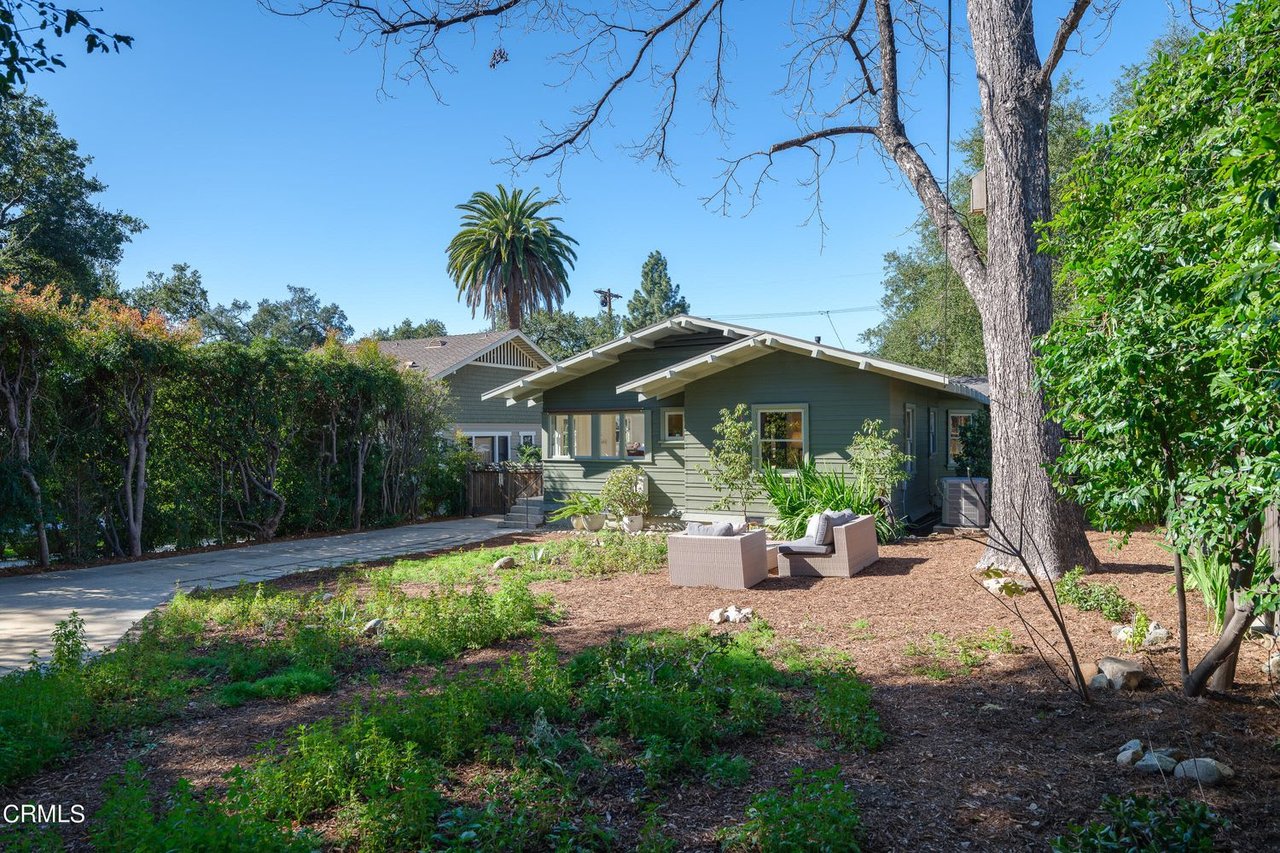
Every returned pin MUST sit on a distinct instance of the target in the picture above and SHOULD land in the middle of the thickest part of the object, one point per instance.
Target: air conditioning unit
(965, 501)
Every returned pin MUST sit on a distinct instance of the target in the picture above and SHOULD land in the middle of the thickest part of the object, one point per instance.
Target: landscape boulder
(1206, 771)
(373, 627)
(1272, 666)
(1121, 674)
(1155, 762)
(1129, 757)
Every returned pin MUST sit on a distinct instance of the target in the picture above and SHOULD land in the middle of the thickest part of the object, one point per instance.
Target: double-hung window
(782, 435)
(956, 422)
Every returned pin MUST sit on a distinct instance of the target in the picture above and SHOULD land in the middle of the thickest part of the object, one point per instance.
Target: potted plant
(586, 511)
(624, 497)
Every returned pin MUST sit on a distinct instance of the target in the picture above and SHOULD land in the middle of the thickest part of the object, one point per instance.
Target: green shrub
(622, 493)
(130, 822)
(1104, 598)
(677, 695)
(843, 704)
(1144, 825)
(877, 460)
(819, 813)
(613, 552)
(723, 770)
(796, 495)
(293, 682)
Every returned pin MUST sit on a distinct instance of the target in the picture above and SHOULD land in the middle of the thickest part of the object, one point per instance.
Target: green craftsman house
(472, 364)
(653, 397)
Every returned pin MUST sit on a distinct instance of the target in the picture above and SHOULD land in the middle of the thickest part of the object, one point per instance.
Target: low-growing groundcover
(246, 644)
(512, 758)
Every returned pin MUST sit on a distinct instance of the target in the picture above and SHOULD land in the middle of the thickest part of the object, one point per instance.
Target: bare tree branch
(1070, 24)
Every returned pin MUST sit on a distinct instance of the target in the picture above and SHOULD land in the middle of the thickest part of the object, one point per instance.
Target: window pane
(675, 426)
(504, 449)
(609, 438)
(955, 423)
(560, 435)
(782, 454)
(483, 445)
(787, 426)
(637, 443)
(582, 435)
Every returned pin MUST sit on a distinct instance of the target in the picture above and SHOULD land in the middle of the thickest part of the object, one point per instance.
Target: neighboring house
(654, 397)
(472, 364)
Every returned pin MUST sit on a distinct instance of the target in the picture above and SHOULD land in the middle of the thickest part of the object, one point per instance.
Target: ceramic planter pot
(579, 522)
(594, 522)
(633, 523)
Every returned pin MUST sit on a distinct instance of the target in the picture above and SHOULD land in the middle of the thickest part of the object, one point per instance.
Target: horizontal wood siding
(597, 392)
(468, 383)
(839, 398)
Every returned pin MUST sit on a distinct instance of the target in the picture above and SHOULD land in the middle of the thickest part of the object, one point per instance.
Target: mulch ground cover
(1002, 757)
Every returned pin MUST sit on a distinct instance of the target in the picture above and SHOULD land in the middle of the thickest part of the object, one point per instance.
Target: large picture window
(599, 435)
(956, 422)
(782, 435)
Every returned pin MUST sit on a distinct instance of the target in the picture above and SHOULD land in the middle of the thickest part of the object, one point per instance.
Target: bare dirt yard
(984, 748)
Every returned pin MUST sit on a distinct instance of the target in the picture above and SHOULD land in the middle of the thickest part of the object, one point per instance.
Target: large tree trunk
(1015, 295)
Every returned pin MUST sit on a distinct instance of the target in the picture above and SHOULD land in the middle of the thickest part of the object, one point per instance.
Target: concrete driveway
(112, 598)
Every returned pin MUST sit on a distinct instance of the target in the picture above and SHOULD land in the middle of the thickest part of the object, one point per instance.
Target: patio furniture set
(835, 544)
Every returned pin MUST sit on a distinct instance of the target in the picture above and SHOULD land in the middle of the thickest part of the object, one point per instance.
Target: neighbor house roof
(744, 345)
(446, 354)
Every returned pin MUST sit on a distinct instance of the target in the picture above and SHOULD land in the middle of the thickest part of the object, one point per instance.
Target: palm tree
(508, 259)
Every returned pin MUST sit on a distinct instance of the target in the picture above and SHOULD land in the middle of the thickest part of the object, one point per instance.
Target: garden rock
(1129, 757)
(1121, 674)
(1133, 744)
(507, 562)
(997, 586)
(1099, 682)
(1206, 771)
(718, 616)
(326, 598)
(373, 627)
(1272, 666)
(1173, 752)
(1154, 762)
(1156, 635)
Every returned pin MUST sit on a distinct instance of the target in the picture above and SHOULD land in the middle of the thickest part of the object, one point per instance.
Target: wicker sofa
(853, 549)
(729, 562)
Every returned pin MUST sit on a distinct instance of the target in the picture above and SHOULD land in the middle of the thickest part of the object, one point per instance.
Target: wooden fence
(494, 490)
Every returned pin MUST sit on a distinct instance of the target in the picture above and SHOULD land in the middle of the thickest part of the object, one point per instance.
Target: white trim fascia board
(605, 352)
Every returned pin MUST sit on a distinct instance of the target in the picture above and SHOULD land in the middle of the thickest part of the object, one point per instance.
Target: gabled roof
(744, 345)
(669, 380)
(531, 386)
(441, 356)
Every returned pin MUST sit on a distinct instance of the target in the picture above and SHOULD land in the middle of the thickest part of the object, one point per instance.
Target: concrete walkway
(112, 598)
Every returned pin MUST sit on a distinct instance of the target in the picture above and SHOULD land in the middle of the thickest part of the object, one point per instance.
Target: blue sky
(259, 150)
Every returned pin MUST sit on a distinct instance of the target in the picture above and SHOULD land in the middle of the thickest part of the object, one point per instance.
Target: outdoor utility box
(965, 501)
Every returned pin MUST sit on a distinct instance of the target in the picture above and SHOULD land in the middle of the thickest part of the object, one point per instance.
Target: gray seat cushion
(719, 528)
(841, 517)
(806, 547)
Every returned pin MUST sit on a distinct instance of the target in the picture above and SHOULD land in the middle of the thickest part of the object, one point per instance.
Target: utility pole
(606, 300)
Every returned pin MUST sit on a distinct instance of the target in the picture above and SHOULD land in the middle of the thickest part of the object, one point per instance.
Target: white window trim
(665, 436)
(803, 408)
(474, 434)
(951, 462)
(909, 437)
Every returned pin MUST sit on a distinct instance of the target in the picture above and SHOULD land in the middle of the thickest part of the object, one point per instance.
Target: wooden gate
(493, 490)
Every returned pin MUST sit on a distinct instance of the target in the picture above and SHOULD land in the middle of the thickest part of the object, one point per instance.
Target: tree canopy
(561, 334)
(1165, 372)
(508, 257)
(52, 231)
(406, 329)
(20, 55)
(657, 297)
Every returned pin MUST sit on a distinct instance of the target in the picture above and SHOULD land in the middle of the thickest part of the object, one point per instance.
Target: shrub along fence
(120, 433)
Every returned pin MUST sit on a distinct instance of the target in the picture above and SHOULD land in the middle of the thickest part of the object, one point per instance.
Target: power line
(780, 314)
